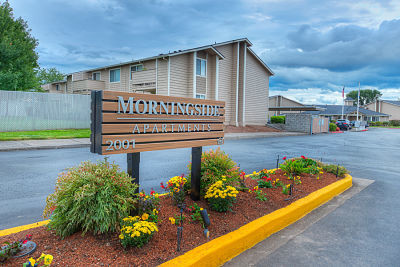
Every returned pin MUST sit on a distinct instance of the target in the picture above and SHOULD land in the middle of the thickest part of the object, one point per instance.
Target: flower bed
(78, 250)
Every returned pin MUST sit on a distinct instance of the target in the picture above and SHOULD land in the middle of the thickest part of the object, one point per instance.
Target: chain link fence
(26, 111)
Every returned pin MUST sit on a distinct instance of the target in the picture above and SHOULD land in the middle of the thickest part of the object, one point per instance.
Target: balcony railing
(87, 85)
(143, 80)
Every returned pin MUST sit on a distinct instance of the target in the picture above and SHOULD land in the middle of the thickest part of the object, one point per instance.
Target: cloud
(343, 48)
(309, 44)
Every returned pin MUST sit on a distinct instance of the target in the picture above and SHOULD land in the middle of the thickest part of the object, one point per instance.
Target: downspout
(194, 73)
(237, 85)
(244, 83)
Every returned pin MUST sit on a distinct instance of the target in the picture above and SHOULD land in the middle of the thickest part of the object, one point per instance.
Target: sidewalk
(85, 142)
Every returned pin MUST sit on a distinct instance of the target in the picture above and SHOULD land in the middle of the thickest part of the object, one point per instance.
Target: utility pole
(358, 99)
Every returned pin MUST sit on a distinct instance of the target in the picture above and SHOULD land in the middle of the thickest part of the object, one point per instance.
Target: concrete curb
(22, 228)
(220, 250)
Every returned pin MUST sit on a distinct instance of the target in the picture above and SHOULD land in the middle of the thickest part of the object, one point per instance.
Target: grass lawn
(45, 134)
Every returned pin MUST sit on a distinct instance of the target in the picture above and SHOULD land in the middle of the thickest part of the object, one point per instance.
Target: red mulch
(250, 129)
(105, 250)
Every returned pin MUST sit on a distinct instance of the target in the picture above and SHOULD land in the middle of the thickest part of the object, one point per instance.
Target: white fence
(25, 111)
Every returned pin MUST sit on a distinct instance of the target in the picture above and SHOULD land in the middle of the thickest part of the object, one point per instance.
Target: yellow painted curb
(220, 250)
(22, 228)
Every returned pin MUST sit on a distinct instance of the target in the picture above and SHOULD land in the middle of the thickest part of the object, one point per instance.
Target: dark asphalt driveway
(365, 231)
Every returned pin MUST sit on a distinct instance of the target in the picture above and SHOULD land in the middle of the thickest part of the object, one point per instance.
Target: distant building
(390, 107)
(333, 112)
(56, 87)
(229, 71)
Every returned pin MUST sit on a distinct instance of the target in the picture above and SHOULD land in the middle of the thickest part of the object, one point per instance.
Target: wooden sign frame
(159, 122)
(130, 123)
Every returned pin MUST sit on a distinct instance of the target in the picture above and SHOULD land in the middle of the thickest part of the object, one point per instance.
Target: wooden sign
(130, 122)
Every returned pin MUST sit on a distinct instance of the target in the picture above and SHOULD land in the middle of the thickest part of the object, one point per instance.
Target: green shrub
(278, 119)
(385, 123)
(214, 165)
(333, 121)
(394, 123)
(91, 197)
(332, 127)
(371, 123)
(378, 123)
(331, 168)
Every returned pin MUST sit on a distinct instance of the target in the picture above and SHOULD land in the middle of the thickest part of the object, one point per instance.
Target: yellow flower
(172, 220)
(288, 185)
(155, 211)
(48, 259)
(32, 261)
(121, 236)
(254, 173)
(145, 216)
(201, 209)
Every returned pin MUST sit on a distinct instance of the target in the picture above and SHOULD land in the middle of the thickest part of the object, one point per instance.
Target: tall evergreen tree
(18, 58)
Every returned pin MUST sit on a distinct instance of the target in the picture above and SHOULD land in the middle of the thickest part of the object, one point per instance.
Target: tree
(49, 75)
(366, 96)
(18, 58)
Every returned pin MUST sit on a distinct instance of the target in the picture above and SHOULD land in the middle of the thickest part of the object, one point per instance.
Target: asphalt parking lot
(362, 232)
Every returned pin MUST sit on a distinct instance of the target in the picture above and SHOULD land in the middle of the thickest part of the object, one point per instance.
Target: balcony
(143, 80)
(85, 86)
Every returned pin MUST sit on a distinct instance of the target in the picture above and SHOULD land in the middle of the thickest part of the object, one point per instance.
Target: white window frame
(99, 72)
(201, 60)
(201, 96)
(130, 70)
(109, 75)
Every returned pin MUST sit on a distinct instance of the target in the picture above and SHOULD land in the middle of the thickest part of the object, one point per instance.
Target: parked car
(346, 124)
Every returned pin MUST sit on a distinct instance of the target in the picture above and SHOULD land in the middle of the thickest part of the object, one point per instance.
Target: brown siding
(210, 77)
(179, 75)
(226, 81)
(257, 86)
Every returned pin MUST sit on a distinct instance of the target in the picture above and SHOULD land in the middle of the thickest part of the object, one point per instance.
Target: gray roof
(337, 110)
(397, 103)
(349, 99)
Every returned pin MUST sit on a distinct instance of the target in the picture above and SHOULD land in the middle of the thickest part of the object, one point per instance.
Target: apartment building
(228, 71)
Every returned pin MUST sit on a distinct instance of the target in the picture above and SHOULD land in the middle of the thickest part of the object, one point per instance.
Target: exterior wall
(298, 123)
(162, 76)
(238, 92)
(386, 108)
(281, 101)
(257, 90)
(226, 82)
(179, 75)
(211, 65)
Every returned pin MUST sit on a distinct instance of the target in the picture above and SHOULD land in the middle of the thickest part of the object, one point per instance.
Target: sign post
(130, 123)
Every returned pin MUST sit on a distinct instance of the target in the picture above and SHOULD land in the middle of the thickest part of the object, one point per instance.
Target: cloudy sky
(314, 47)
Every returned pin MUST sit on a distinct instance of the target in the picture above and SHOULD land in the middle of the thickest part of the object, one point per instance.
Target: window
(96, 76)
(114, 76)
(201, 67)
(200, 96)
(136, 68)
(57, 87)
